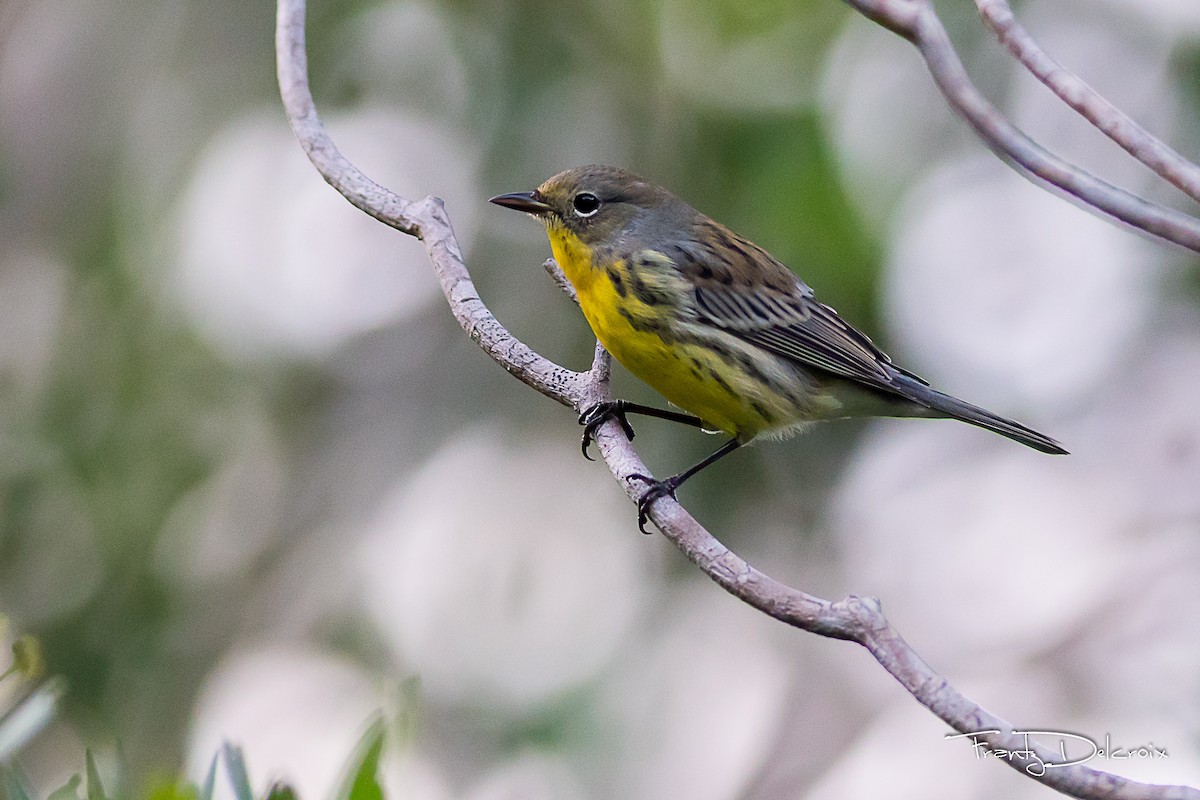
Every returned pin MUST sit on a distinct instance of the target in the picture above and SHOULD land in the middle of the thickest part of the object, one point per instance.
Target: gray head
(601, 204)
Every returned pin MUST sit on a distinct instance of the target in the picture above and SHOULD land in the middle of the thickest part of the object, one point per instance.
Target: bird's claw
(596, 415)
(655, 489)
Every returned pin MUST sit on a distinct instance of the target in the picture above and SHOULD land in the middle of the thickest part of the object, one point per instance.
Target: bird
(717, 325)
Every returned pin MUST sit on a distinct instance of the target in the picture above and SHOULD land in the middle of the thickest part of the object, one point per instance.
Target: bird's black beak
(522, 201)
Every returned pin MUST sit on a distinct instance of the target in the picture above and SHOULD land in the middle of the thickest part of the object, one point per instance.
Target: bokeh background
(256, 485)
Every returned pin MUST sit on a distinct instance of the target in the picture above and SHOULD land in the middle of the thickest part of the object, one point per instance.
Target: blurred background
(256, 485)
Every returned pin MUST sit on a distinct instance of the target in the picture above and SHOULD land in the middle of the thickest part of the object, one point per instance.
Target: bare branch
(917, 21)
(425, 219)
(1073, 91)
(857, 619)
(560, 279)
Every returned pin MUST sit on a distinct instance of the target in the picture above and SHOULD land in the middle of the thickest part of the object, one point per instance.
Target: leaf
(67, 792)
(235, 768)
(210, 779)
(172, 790)
(28, 659)
(95, 789)
(362, 782)
(32, 714)
(281, 791)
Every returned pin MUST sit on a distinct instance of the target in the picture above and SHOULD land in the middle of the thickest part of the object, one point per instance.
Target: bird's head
(599, 204)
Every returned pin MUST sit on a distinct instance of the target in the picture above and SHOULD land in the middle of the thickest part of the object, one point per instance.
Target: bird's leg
(664, 488)
(596, 415)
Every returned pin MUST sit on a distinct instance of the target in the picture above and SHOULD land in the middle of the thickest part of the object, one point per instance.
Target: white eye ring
(585, 204)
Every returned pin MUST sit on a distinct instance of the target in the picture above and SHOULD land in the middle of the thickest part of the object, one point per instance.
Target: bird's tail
(953, 407)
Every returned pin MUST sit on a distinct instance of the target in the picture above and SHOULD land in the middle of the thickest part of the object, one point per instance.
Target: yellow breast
(637, 323)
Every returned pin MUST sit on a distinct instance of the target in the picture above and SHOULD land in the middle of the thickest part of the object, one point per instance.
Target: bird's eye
(585, 204)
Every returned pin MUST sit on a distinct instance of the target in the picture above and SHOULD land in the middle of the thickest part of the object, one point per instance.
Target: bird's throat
(573, 256)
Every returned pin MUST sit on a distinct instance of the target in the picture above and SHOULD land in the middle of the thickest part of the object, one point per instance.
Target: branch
(425, 219)
(1114, 122)
(856, 619)
(917, 21)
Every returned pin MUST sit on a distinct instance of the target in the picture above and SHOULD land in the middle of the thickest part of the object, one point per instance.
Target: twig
(857, 619)
(1073, 91)
(560, 280)
(917, 21)
(425, 219)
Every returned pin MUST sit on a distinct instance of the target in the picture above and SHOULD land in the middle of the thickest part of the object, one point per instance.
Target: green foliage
(210, 779)
(69, 791)
(39, 705)
(171, 790)
(361, 782)
(235, 768)
(95, 789)
(28, 660)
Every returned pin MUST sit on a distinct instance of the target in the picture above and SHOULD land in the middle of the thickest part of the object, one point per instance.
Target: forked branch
(917, 21)
(857, 619)
(1072, 90)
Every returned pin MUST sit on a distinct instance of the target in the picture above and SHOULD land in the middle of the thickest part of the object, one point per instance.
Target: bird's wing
(744, 290)
(796, 327)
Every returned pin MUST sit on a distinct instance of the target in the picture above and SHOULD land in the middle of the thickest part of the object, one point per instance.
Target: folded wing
(744, 290)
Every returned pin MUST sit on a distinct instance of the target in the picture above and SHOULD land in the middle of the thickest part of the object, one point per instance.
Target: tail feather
(974, 415)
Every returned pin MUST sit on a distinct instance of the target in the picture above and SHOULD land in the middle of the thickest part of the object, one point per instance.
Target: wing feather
(743, 289)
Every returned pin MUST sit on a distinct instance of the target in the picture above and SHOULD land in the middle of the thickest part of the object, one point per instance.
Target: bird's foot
(655, 489)
(596, 415)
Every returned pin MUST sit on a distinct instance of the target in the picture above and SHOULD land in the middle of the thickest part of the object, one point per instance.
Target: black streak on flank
(763, 412)
(643, 292)
(746, 365)
(615, 276)
(646, 325)
(724, 384)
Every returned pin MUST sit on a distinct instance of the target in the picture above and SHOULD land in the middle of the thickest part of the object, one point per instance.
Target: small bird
(716, 324)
